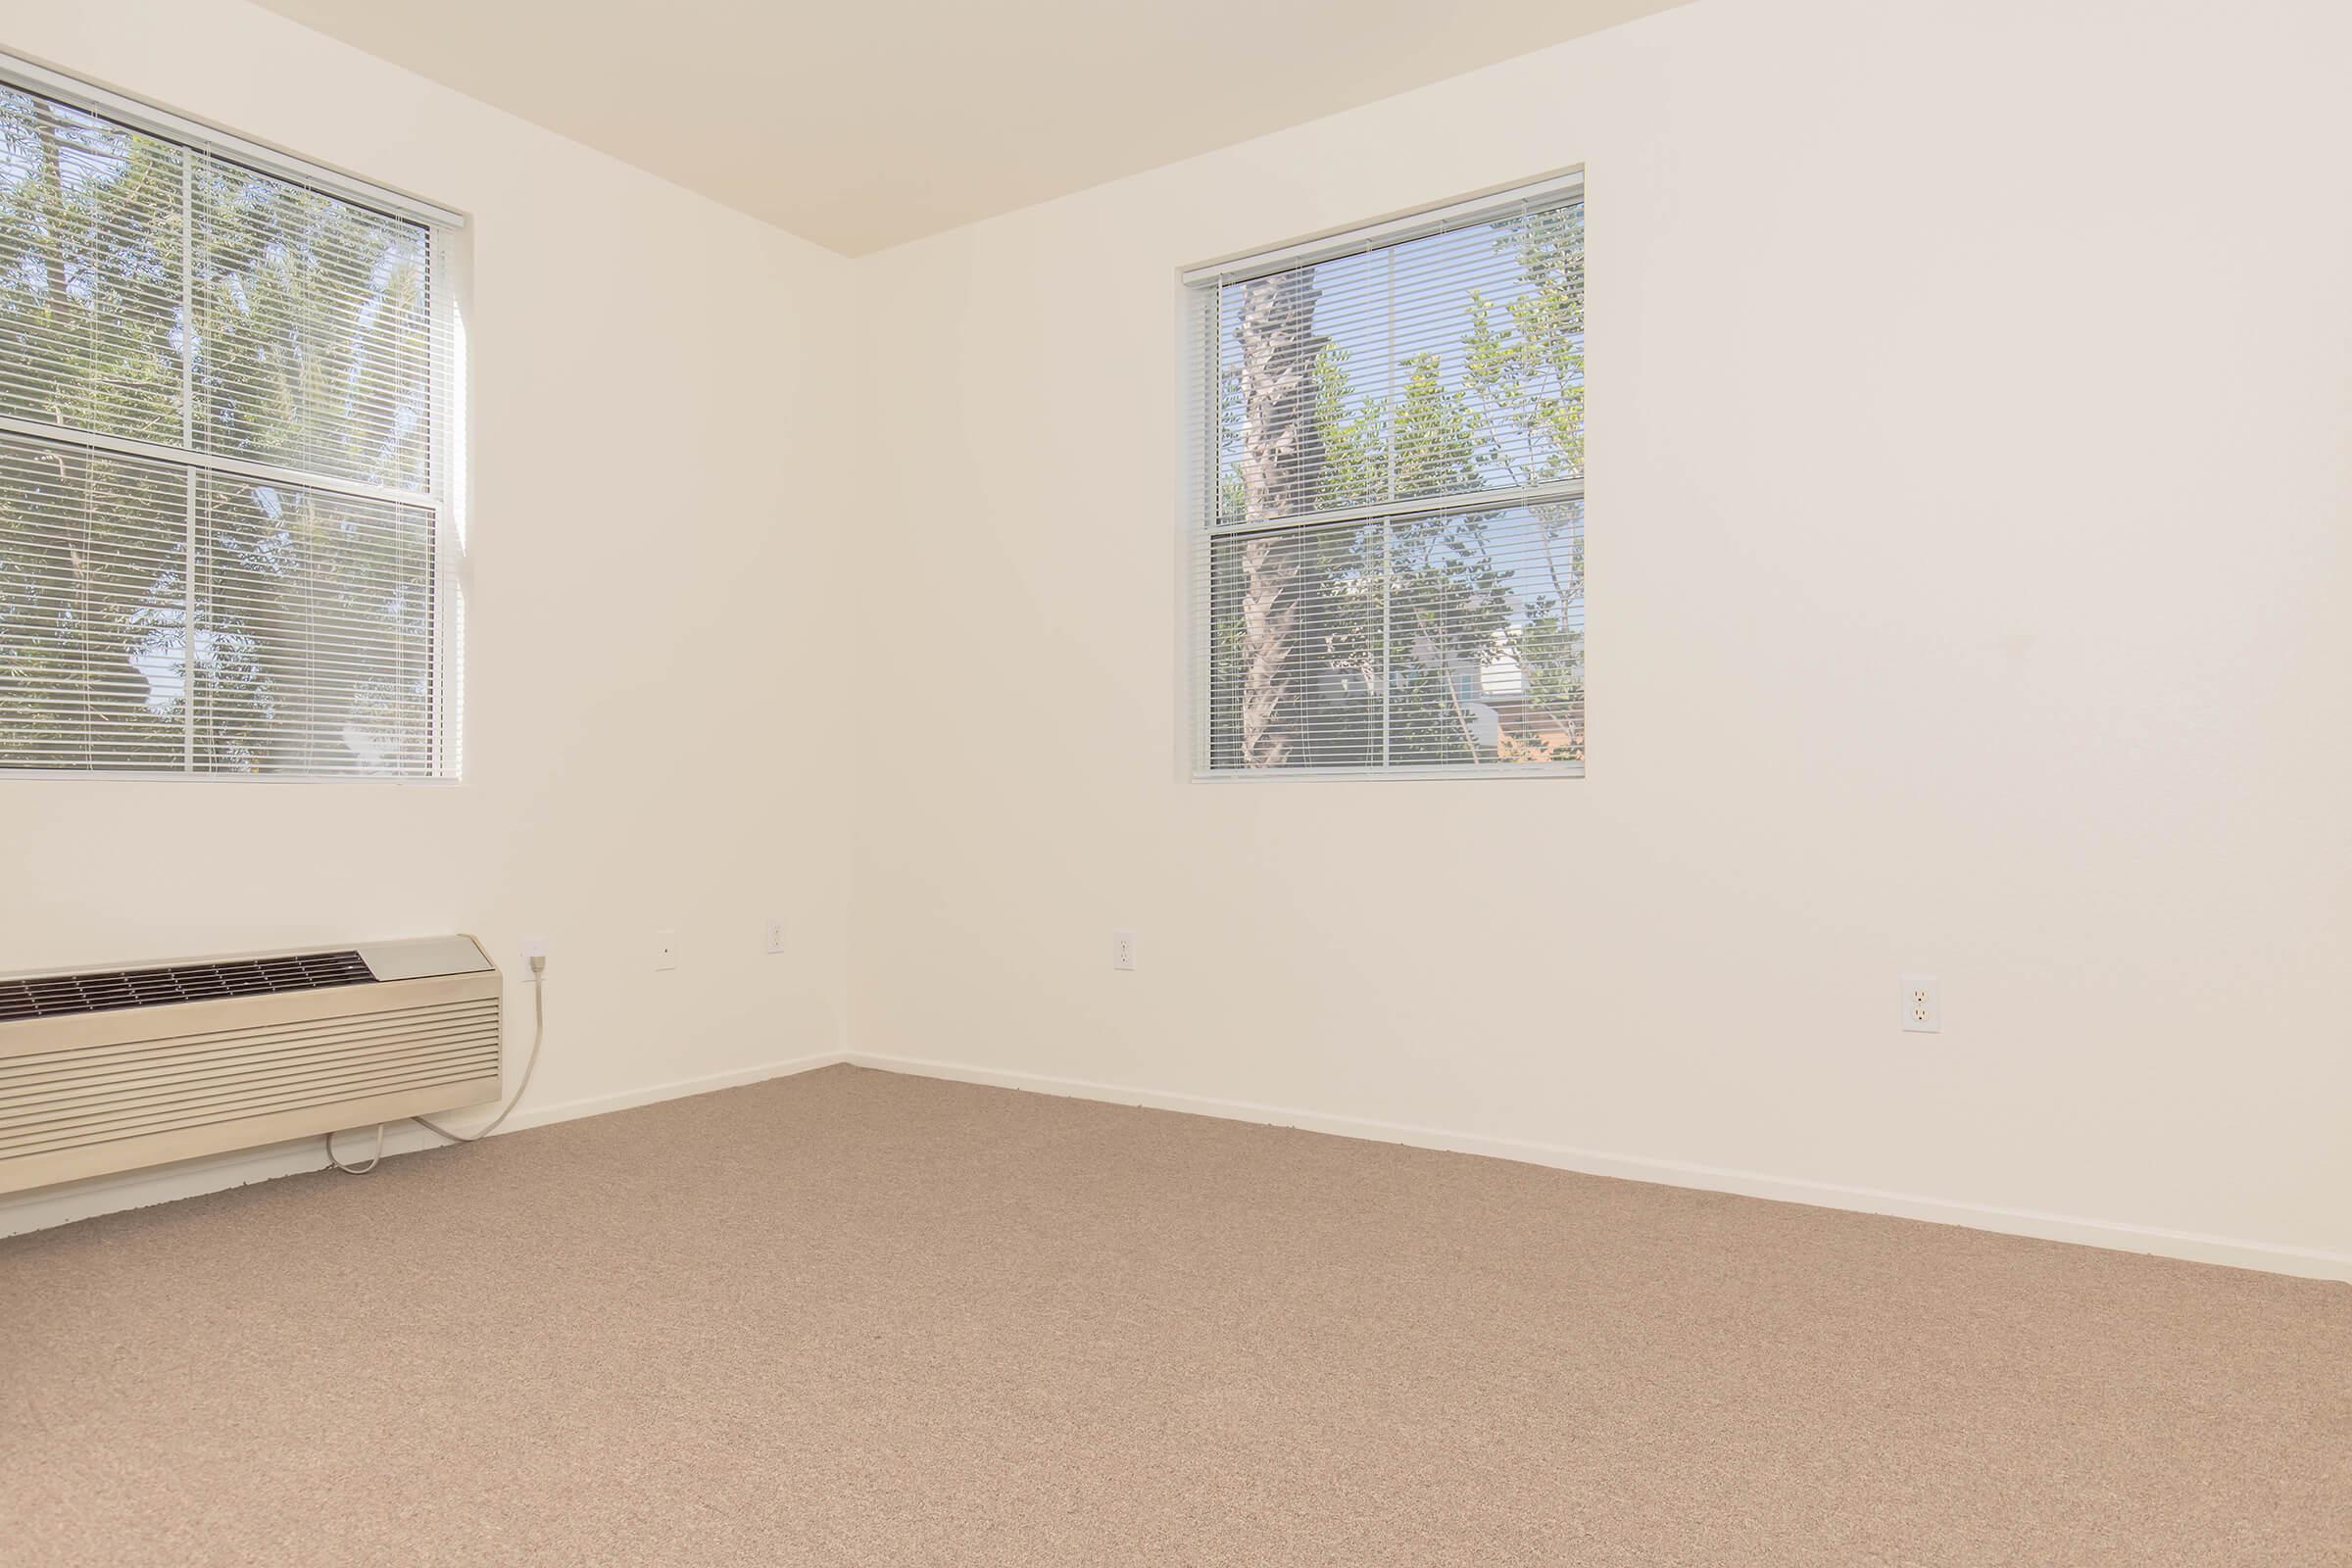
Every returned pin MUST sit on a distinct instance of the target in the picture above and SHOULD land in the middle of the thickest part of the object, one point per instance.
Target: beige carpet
(859, 1318)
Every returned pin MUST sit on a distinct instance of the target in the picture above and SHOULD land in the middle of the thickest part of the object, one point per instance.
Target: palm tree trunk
(50, 134)
(1280, 452)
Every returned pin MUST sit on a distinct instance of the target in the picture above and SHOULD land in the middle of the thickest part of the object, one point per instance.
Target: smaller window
(1390, 545)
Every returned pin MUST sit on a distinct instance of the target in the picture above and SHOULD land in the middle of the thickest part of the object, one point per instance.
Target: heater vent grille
(112, 1069)
(110, 989)
(85, 1097)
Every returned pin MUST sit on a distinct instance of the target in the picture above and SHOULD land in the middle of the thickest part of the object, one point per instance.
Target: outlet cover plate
(1923, 1005)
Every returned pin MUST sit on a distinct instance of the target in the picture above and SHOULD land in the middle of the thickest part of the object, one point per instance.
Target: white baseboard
(137, 1189)
(654, 1094)
(37, 1210)
(2308, 1263)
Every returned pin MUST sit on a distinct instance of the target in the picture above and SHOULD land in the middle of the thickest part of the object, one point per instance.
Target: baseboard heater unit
(110, 1069)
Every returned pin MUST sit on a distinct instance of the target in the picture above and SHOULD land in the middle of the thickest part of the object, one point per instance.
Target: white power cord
(530, 1066)
(530, 1063)
(357, 1170)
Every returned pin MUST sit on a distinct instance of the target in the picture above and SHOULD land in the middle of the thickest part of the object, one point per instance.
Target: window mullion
(187, 439)
(237, 469)
(1450, 501)
(1388, 647)
(1387, 525)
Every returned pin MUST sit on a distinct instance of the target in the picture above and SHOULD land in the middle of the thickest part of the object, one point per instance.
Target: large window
(1390, 542)
(226, 453)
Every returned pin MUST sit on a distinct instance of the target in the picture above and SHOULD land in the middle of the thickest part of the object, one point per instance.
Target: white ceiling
(861, 125)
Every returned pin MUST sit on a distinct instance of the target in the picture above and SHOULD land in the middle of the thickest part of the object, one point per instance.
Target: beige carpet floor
(859, 1318)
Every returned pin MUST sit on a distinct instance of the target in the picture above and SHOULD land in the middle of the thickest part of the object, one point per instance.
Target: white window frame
(447, 484)
(1200, 285)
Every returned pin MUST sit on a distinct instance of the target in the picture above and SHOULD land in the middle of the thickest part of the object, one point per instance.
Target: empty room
(1556, 782)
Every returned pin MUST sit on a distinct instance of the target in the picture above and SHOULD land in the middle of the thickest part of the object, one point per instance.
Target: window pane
(93, 601)
(1490, 357)
(1419, 642)
(1487, 637)
(1295, 659)
(315, 617)
(90, 273)
(1444, 365)
(315, 330)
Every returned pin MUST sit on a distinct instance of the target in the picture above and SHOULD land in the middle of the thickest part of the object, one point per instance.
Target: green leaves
(1524, 356)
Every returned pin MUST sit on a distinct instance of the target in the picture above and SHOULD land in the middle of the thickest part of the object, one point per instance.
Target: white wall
(1970, 426)
(651, 739)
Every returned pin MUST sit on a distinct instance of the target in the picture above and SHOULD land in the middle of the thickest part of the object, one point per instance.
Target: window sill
(1459, 770)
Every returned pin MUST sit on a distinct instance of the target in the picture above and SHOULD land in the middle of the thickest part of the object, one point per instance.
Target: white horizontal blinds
(1391, 571)
(93, 604)
(314, 325)
(221, 509)
(1445, 364)
(90, 218)
(1425, 640)
(313, 626)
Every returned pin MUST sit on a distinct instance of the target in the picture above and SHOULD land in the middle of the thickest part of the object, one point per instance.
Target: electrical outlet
(1122, 949)
(1923, 1005)
(533, 948)
(665, 949)
(775, 935)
